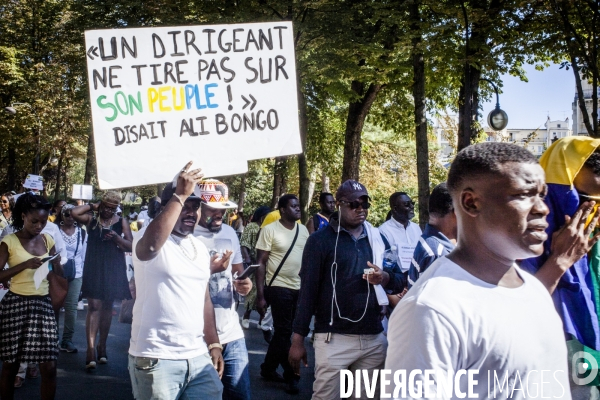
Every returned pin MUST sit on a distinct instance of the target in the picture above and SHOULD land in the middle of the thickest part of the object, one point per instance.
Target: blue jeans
(71, 309)
(236, 379)
(160, 379)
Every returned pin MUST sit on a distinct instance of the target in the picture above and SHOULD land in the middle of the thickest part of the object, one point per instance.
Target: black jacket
(316, 289)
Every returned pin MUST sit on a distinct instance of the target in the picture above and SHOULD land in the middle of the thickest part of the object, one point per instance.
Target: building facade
(536, 140)
(578, 125)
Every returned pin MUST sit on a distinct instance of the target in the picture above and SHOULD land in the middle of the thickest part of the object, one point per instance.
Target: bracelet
(215, 346)
(178, 199)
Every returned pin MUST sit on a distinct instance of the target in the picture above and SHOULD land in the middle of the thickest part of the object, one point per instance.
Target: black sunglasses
(355, 204)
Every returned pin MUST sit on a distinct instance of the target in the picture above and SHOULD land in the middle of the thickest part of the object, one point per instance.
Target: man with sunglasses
(400, 232)
(335, 289)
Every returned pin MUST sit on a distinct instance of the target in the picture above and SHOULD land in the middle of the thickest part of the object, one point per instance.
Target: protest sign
(219, 95)
(34, 182)
(82, 192)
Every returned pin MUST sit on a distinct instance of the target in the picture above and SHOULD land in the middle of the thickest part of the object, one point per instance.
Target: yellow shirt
(52, 218)
(277, 239)
(22, 283)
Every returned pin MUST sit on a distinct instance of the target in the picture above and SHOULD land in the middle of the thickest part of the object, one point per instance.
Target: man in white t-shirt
(173, 316)
(219, 239)
(399, 230)
(474, 309)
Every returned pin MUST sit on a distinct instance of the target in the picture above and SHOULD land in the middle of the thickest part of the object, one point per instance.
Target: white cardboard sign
(219, 95)
(83, 192)
(34, 182)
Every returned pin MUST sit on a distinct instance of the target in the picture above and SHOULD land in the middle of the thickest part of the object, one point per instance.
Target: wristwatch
(215, 346)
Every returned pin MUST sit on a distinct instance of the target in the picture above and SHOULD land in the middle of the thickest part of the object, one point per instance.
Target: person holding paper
(399, 230)
(338, 277)
(105, 270)
(28, 328)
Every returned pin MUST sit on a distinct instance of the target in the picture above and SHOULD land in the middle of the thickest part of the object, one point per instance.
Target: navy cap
(351, 190)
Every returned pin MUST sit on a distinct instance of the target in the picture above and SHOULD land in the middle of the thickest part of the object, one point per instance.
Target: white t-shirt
(405, 239)
(59, 245)
(451, 320)
(221, 283)
(168, 315)
(144, 217)
(71, 244)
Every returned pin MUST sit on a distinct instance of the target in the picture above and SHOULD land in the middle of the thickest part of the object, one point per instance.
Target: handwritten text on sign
(219, 95)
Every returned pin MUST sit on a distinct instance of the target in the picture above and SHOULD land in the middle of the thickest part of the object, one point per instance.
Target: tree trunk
(11, 168)
(594, 105)
(304, 180)
(420, 118)
(242, 195)
(468, 112)
(58, 176)
(357, 113)
(469, 91)
(66, 181)
(279, 180)
(325, 183)
(90, 162)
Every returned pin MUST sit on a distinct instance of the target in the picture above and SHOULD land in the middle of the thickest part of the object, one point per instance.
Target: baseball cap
(215, 194)
(351, 190)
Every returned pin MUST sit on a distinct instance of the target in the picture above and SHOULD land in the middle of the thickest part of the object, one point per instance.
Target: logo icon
(582, 363)
(357, 186)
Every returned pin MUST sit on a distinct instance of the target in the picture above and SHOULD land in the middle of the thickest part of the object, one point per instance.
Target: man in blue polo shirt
(439, 237)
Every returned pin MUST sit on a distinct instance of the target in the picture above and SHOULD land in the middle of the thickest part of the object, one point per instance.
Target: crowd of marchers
(503, 278)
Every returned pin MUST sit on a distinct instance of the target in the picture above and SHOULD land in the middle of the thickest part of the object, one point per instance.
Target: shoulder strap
(285, 257)
(77, 247)
(82, 235)
(46, 241)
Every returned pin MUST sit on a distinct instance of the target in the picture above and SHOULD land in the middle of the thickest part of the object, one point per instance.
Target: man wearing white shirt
(474, 315)
(174, 343)
(220, 238)
(399, 230)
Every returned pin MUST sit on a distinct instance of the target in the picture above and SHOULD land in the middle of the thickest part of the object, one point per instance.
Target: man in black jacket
(348, 330)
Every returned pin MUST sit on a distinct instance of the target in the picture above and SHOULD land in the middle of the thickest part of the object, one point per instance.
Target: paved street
(111, 381)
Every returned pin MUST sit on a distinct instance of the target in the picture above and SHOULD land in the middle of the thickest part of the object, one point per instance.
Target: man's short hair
(323, 197)
(284, 200)
(440, 201)
(485, 159)
(394, 196)
(593, 162)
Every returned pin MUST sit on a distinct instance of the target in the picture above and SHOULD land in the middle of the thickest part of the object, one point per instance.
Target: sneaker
(268, 336)
(80, 305)
(68, 346)
(245, 323)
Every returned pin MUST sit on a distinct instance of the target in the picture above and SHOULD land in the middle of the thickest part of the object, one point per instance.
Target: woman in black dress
(104, 272)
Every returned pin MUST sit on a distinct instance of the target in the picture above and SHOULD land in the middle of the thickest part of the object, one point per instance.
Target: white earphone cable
(334, 281)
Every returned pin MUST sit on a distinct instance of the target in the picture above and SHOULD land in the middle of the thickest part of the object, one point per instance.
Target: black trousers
(283, 302)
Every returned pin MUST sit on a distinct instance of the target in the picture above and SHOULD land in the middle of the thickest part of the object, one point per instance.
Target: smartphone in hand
(50, 258)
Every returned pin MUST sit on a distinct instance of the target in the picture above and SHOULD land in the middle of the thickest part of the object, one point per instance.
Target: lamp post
(497, 119)
(11, 110)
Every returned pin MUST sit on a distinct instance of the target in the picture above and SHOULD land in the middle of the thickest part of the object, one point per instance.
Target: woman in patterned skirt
(105, 270)
(28, 330)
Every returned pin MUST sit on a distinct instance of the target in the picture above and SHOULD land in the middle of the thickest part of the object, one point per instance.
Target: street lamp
(497, 119)
(11, 110)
